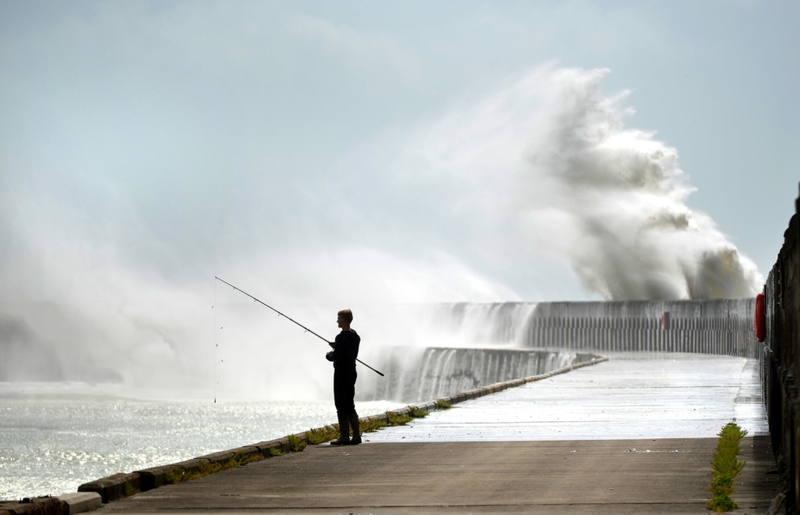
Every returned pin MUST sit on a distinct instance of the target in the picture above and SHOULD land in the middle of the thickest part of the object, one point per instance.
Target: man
(343, 355)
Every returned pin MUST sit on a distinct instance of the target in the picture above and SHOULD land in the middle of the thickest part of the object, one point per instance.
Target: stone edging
(67, 504)
(121, 485)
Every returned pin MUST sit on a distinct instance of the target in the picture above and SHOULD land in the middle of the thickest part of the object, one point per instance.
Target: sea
(56, 436)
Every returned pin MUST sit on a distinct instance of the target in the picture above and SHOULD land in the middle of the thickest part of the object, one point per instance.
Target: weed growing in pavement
(398, 419)
(240, 458)
(296, 444)
(442, 404)
(205, 468)
(176, 475)
(725, 467)
(371, 425)
(415, 412)
(322, 435)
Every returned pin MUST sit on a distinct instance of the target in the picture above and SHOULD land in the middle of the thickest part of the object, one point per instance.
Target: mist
(545, 166)
(128, 184)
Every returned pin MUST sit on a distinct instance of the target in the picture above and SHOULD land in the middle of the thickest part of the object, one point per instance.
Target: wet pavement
(631, 396)
(632, 435)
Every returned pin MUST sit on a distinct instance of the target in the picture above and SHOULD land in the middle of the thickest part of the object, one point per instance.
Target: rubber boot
(344, 432)
(356, 429)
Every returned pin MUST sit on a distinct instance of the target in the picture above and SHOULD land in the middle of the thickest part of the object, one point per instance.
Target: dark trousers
(344, 391)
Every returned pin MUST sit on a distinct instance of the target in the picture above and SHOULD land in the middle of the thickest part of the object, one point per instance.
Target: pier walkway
(631, 435)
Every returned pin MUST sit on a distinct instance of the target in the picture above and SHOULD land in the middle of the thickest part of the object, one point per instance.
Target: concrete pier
(633, 395)
(632, 435)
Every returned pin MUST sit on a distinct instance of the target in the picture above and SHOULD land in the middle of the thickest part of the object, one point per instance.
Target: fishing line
(216, 343)
(291, 320)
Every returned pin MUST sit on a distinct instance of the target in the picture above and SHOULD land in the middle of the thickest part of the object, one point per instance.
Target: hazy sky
(406, 151)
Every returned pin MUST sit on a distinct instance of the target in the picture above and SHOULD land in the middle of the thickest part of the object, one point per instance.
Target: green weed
(322, 435)
(274, 451)
(415, 412)
(205, 468)
(371, 425)
(240, 458)
(296, 444)
(725, 467)
(721, 503)
(442, 404)
(398, 419)
(175, 475)
(180, 474)
(722, 485)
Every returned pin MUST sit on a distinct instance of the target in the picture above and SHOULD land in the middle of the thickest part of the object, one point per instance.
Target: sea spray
(545, 165)
(504, 197)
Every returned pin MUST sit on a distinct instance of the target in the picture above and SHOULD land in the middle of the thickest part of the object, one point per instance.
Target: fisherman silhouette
(343, 355)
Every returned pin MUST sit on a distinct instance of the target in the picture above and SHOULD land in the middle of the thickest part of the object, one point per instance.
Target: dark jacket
(345, 352)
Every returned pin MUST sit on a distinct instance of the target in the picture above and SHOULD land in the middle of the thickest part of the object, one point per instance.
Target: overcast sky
(409, 151)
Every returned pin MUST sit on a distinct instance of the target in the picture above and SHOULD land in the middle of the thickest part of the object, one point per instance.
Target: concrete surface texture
(633, 395)
(472, 477)
(80, 502)
(66, 504)
(616, 452)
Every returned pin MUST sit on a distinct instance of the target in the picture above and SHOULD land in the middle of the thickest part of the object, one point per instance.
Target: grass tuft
(398, 419)
(415, 412)
(205, 468)
(240, 458)
(322, 435)
(722, 485)
(274, 451)
(180, 474)
(722, 503)
(176, 475)
(442, 404)
(296, 444)
(725, 467)
(371, 425)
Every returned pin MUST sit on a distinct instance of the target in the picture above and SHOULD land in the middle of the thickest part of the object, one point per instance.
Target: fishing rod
(291, 320)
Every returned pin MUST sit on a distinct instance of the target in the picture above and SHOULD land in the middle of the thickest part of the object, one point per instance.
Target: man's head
(344, 318)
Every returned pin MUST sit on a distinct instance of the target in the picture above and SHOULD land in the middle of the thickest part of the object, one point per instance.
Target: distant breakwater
(430, 373)
(501, 341)
(723, 326)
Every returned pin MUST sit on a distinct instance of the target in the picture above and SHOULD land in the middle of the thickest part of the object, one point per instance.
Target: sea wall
(501, 341)
(723, 326)
(418, 375)
(782, 300)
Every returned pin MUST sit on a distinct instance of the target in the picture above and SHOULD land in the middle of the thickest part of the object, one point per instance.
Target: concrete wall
(419, 375)
(783, 360)
(704, 326)
(722, 326)
(559, 332)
